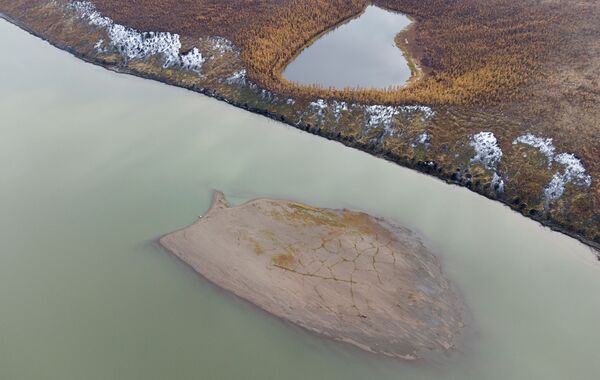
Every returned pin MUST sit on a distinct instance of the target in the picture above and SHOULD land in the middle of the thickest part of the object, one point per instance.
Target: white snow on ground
(544, 145)
(422, 139)
(573, 169)
(192, 60)
(573, 172)
(426, 111)
(487, 150)
(98, 46)
(268, 96)
(488, 153)
(238, 77)
(375, 115)
(318, 106)
(337, 108)
(88, 10)
(380, 115)
(222, 45)
(264, 94)
(133, 44)
(497, 183)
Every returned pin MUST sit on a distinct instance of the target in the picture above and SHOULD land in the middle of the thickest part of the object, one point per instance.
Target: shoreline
(409, 51)
(416, 72)
(419, 166)
(312, 301)
(311, 40)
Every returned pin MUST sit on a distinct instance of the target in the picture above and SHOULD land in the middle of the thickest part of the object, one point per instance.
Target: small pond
(358, 53)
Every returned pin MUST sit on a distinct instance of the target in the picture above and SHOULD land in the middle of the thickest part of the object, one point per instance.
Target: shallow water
(95, 166)
(359, 53)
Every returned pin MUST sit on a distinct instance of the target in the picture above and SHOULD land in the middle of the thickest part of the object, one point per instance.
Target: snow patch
(375, 115)
(422, 139)
(322, 106)
(132, 44)
(238, 77)
(487, 150)
(88, 10)
(488, 153)
(268, 96)
(378, 115)
(427, 112)
(544, 145)
(222, 45)
(319, 106)
(497, 183)
(573, 170)
(98, 46)
(337, 108)
(192, 60)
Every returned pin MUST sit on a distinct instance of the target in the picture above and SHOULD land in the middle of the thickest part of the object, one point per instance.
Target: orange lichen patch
(284, 260)
(359, 221)
(308, 216)
(258, 248)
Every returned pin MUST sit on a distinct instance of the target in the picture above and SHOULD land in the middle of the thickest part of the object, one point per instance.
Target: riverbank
(412, 136)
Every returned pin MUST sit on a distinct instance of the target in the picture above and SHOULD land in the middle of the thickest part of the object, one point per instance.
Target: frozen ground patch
(133, 44)
(488, 153)
(238, 77)
(380, 116)
(383, 116)
(487, 150)
(422, 139)
(573, 170)
(544, 145)
(322, 106)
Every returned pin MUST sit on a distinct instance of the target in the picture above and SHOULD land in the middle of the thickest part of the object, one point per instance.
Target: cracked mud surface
(339, 273)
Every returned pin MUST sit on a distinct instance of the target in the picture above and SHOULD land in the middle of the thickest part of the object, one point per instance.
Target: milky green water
(94, 166)
(359, 53)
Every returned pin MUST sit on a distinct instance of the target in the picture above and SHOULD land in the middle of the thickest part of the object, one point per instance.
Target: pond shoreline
(311, 40)
(371, 149)
(407, 49)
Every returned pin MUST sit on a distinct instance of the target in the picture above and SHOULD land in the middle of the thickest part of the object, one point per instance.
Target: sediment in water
(342, 274)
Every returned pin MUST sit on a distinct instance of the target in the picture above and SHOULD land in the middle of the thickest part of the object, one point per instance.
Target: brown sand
(339, 273)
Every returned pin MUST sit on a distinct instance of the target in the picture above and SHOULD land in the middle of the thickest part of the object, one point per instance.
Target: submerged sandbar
(339, 273)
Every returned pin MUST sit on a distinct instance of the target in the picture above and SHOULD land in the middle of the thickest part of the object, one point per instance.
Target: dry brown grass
(509, 67)
(474, 51)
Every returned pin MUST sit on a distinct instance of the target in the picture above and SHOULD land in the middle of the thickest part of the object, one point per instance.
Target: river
(95, 166)
(358, 53)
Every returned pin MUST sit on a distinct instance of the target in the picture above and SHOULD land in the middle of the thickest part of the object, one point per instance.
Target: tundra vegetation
(498, 77)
